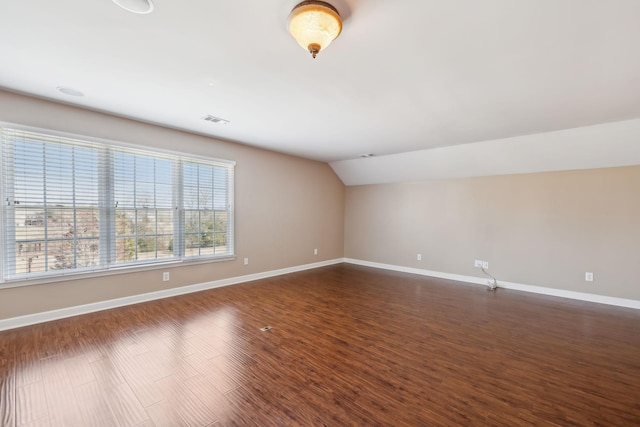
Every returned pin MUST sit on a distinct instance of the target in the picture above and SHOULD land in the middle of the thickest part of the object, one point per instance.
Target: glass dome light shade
(314, 25)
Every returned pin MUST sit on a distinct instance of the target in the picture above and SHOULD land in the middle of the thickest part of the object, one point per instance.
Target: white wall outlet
(477, 263)
(419, 257)
(166, 276)
(588, 276)
(246, 261)
(315, 251)
(485, 264)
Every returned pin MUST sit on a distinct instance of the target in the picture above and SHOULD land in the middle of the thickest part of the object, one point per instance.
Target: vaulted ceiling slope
(403, 76)
(589, 147)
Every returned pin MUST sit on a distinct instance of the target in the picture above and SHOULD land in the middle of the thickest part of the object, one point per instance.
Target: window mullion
(8, 223)
(135, 209)
(178, 203)
(106, 209)
(230, 188)
(44, 208)
(75, 209)
(199, 211)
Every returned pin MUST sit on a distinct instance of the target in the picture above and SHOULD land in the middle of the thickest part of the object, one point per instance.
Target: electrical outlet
(419, 257)
(246, 261)
(165, 276)
(485, 265)
(588, 276)
(477, 263)
(315, 251)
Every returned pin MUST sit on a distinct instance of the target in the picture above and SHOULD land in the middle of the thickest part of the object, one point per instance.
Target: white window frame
(107, 232)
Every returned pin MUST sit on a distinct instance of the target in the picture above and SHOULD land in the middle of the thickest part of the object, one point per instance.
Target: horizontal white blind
(72, 205)
(51, 209)
(144, 206)
(207, 222)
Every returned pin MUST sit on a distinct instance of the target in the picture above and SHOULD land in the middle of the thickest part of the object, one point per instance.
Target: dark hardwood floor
(350, 346)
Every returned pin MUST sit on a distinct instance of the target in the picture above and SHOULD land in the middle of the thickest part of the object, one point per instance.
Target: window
(144, 207)
(204, 201)
(72, 205)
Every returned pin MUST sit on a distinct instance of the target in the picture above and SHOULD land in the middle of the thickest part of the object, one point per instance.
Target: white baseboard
(46, 316)
(31, 319)
(601, 299)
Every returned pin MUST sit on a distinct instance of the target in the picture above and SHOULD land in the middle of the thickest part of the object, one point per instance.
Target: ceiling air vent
(214, 119)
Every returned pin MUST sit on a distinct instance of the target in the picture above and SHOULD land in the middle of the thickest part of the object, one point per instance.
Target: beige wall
(285, 207)
(543, 229)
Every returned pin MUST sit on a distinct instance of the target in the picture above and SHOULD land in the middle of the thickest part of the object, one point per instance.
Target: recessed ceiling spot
(135, 6)
(69, 91)
(214, 119)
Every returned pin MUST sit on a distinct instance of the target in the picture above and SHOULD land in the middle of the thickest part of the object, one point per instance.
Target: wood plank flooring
(350, 346)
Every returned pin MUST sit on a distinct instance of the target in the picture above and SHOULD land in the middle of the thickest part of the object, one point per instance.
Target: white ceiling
(403, 76)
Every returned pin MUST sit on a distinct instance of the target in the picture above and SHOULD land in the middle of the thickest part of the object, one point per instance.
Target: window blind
(72, 205)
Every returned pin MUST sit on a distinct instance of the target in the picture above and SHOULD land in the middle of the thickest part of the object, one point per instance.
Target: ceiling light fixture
(314, 25)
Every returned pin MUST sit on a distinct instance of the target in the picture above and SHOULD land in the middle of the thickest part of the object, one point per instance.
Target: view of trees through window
(56, 239)
(76, 206)
(205, 217)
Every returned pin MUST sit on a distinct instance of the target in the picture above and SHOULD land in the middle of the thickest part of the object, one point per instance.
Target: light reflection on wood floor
(350, 346)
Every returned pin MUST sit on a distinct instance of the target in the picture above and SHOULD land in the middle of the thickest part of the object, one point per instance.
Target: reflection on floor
(348, 346)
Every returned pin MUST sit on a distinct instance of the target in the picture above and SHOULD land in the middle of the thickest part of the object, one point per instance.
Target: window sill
(113, 271)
